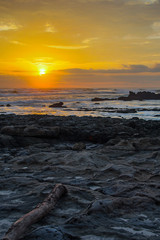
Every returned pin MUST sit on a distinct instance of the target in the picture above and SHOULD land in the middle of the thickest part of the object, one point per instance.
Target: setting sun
(42, 71)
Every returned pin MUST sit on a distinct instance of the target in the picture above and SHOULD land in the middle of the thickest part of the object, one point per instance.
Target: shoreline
(111, 168)
(73, 128)
(79, 103)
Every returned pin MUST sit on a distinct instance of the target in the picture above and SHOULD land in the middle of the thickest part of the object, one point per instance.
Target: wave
(29, 101)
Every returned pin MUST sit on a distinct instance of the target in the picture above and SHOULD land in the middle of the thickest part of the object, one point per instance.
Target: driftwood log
(20, 226)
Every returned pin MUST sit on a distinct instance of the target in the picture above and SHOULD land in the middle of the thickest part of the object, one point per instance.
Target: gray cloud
(145, 2)
(125, 69)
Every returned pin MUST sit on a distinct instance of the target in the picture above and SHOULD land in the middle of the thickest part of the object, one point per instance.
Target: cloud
(130, 37)
(94, 1)
(154, 36)
(156, 26)
(125, 69)
(68, 47)
(142, 43)
(156, 29)
(49, 28)
(90, 40)
(145, 2)
(9, 26)
(17, 43)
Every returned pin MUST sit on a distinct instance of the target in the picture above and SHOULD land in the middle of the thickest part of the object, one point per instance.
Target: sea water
(76, 102)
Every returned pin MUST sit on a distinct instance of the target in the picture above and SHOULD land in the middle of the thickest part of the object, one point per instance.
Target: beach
(110, 167)
(80, 120)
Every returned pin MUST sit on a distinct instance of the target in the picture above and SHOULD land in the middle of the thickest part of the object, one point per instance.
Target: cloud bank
(125, 69)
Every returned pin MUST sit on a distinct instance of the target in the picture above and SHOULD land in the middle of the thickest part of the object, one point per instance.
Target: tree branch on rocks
(20, 226)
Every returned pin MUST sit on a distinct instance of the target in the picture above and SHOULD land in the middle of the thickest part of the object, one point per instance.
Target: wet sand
(111, 168)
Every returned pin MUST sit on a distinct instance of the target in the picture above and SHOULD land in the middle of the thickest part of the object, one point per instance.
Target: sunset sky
(80, 43)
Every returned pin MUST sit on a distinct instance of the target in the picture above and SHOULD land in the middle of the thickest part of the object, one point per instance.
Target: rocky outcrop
(112, 177)
(35, 128)
(96, 99)
(144, 95)
(126, 111)
(140, 96)
(31, 131)
(49, 232)
(56, 105)
(7, 141)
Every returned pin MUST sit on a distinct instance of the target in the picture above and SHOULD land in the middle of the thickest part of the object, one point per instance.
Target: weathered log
(20, 226)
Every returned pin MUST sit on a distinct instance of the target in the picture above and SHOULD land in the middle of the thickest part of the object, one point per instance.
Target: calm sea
(76, 102)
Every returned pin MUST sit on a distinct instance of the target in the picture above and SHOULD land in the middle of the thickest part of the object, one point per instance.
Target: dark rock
(79, 146)
(7, 141)
(140, 96)
(126, 111)
(12, 130)
(46, 233)
(127, 204)
(56, 105)
(96, 99)
(147, 143)
(31, 131)
(36, 131)
(118, 183)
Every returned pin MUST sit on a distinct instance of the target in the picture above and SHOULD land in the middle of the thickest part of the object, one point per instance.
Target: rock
(156, 155)
(8, 105)
(144, 95)
(147, 143)
(97, 99)
(126, 111)
(140, 96)
(119, 179)
(31, 131)
(109, 206)
(37, 158)
(7, 141)
(79, 146)
(125, 145)
(46, 233)
(12, 130)
(56, 105)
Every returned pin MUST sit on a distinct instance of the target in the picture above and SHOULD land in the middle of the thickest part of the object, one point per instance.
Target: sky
(80, 43)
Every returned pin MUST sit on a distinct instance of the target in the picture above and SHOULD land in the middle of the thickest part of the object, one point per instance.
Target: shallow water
(76, 102)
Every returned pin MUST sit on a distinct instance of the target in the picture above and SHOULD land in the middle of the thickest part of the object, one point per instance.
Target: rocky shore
(140, 96)
(111, 168)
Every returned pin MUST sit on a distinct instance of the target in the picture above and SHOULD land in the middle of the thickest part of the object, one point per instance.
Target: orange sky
(80, 43)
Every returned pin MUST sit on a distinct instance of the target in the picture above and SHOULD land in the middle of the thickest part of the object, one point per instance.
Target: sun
(42, 71)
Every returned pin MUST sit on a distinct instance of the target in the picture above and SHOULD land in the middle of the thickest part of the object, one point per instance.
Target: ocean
(77, 102)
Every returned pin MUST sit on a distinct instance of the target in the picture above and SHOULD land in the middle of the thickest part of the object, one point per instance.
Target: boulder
(12, 130)
(56, 105)
(7, 141)
(79, 146)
